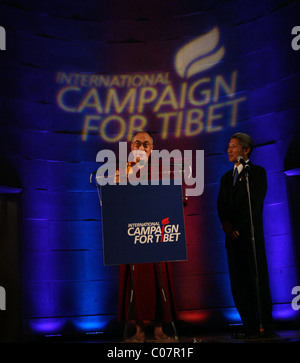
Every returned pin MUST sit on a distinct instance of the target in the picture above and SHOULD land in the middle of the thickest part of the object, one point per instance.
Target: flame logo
(165, 221)
(199, 55)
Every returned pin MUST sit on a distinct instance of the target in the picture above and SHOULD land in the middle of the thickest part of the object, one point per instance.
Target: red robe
(148, 302)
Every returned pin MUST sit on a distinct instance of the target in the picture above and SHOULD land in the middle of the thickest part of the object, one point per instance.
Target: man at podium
(148, 302)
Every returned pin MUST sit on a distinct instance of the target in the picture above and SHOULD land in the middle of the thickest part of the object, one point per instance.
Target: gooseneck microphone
(241, 160)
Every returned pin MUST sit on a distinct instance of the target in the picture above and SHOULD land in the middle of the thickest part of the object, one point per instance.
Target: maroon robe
(148, 302)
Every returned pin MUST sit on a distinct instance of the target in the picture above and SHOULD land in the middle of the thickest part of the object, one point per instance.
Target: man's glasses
(137, 144)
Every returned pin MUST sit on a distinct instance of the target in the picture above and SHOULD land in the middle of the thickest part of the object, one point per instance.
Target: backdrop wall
(78, 77)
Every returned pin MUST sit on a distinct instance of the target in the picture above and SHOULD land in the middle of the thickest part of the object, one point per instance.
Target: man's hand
(117, 177)
(229, 230)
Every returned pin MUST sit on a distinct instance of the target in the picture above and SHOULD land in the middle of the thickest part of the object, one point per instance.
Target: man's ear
(247, 151)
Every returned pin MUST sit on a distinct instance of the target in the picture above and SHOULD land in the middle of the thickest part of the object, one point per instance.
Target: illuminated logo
(2, 38)
(153, 232)
(199, 55)
(184, 103)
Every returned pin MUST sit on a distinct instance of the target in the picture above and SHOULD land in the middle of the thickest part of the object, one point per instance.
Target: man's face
(142, 141)
(235, 149)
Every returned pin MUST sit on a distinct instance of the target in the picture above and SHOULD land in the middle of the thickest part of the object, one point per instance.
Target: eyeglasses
(137, 144)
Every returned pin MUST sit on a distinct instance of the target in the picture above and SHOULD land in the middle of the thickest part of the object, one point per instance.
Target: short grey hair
(245, 140)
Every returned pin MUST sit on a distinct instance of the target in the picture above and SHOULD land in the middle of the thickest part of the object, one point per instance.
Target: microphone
(241, 160)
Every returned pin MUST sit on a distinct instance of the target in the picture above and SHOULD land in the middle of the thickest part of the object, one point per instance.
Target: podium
(142, 224)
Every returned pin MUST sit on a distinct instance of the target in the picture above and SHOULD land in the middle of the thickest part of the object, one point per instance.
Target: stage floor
(288, 336)
(281, 336)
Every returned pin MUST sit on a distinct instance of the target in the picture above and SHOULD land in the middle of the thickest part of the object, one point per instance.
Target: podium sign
(142, 223)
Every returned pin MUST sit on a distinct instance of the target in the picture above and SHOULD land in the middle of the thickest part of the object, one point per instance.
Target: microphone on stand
(241, 160)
